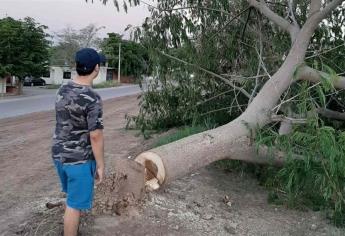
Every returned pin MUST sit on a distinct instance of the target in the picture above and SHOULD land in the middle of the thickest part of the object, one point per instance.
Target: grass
(53, 86)
(179, 134)
(106, 84)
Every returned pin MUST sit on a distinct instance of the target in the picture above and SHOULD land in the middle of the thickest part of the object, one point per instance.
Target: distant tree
(23, 48)
(134, 57)
(70, 40)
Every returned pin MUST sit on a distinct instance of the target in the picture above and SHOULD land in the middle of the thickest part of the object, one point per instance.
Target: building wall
(102, 76)
(2, 86)
(57, 73)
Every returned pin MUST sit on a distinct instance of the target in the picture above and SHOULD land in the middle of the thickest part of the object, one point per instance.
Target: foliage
(328, 43)
(227, 39)
(134, 57)
(179, 134)
(23, 47)
(209, 42)
(315, 170)
(70, 40)
(318, 179)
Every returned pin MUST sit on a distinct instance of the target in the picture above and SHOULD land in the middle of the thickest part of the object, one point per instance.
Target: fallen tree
(232, 141)
(182, 36)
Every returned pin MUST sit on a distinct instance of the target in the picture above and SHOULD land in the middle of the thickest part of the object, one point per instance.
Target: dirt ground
(208, 202)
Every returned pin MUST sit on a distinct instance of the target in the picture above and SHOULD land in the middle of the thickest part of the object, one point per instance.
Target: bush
(184, 102)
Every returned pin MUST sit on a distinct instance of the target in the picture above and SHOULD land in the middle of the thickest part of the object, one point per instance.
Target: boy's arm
(95, 127)
(97, 144)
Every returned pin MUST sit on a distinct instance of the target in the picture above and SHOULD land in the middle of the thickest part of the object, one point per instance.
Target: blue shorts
(77, 181)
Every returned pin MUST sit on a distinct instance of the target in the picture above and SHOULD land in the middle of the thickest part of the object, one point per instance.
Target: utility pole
(119, 67)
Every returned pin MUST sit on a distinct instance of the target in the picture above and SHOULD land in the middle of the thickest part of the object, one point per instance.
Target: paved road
(45, 101)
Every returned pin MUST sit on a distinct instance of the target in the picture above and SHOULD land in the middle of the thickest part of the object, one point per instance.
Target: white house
(62, 74)
(8, 85)
(2, 86)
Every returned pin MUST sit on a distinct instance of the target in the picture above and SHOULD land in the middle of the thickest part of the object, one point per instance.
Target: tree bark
(20, 87)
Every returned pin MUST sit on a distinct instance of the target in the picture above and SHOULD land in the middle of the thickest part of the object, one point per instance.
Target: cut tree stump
(123, 187)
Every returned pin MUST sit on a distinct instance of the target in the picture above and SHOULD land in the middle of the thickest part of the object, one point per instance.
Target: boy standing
(78, 146)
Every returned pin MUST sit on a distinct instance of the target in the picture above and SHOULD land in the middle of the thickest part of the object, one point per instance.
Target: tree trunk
(20, 87)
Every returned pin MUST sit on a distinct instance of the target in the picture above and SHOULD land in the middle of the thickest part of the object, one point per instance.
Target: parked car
(28, 81)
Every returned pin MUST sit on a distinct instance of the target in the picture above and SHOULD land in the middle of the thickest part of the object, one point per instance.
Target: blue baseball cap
(88, 58)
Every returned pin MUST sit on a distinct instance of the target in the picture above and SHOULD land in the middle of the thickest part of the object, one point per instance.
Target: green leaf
(328, 78)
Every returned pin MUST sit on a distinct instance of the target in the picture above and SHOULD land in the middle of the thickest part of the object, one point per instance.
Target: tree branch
(214, 97)
(290, 120)
(280, 21)
(187, 7)
(286, 125)
(259, 66)
(224, 109)
(148, 4)
(197, 7)
(328, 9)
(326, 51)
(243, 91)
(264, 155)
(315, 6)
(292, 14)
(237, 16)
(309, 74)
(331, 114)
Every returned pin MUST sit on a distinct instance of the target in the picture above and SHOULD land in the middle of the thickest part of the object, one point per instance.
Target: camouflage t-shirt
(78, 112)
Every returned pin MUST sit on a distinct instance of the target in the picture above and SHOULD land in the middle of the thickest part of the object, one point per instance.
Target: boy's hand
(99, 174)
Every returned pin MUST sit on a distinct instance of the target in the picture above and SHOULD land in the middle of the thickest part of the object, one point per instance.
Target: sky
(58, 14)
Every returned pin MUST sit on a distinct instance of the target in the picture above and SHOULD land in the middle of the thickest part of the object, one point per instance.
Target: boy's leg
(71, 221)
(79, 194)
(80, 183)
